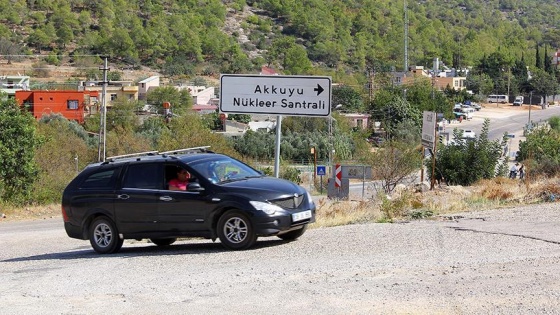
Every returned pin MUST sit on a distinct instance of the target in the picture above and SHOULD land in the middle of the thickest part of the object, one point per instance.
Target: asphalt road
(506, 119)
(503, 261)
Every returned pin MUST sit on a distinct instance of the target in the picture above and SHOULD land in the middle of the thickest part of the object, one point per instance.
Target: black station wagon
(129, 197)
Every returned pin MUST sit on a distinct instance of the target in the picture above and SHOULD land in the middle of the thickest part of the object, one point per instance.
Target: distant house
(201, 95)
(145, 85)
(268, 71)
(205, 109)
(440, 82)
(9, 84)
(358, 121)
(113, 91)
(73, 105)
(265, 126)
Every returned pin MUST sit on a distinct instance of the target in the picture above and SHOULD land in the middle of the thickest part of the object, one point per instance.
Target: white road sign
(429, 130)
(280, 95)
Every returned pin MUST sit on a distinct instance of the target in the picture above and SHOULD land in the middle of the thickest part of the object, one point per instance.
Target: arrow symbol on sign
(319, 89)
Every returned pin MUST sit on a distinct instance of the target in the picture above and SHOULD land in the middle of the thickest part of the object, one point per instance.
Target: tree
(180, 100)
(17, 151)
(538, 60)
(543, 83)
(350, 99)
(65, 36)
(39, 39)
(464, 162)
(66, 143)
(541, 150)
(296, 61)
(394, 163)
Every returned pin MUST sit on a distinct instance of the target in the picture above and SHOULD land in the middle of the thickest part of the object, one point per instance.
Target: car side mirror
(194, 187)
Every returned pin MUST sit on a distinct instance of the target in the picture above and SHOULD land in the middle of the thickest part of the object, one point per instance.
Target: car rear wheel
(163, 241)
(104, 237)
(235, 231)
(292, 235)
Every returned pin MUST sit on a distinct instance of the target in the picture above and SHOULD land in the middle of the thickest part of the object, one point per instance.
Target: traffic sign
(429, 129)
(321, 170)
(275, 94)
(338, 176)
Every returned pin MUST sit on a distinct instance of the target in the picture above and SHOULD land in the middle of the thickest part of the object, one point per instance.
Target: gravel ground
(502, 261)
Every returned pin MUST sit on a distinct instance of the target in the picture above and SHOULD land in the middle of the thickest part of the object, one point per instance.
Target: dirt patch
(30, 213)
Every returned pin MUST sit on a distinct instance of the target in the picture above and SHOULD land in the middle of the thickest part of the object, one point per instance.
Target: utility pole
(102, 146)
(529, 127)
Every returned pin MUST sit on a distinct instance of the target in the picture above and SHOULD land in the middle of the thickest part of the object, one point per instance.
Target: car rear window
(103, 179)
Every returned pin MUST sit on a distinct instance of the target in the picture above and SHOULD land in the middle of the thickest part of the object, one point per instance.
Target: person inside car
(181, 182)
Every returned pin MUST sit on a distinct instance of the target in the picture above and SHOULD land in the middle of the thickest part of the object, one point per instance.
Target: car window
(144, 176)
(225, 169)
(103, 179)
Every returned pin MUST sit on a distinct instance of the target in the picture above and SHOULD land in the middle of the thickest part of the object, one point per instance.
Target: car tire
(163, 241)
(293, 235)
(104, 237)
(235, 230)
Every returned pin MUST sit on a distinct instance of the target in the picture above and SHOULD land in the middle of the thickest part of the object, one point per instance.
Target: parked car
(127, 197)
(376, 141)
(474, 105)
(469, 134)
(463, 113)
(518, 101)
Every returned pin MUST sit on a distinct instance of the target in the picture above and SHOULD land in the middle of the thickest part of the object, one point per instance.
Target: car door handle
(123, 196)
(165, 198)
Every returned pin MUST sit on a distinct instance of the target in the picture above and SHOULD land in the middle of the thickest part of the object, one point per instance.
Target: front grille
(289, 203)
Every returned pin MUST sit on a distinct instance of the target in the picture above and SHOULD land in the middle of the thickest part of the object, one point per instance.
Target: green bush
(465, 162)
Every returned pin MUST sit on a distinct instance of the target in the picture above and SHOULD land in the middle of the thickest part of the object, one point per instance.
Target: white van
(518, 101)
(469, 111)
(497, 98)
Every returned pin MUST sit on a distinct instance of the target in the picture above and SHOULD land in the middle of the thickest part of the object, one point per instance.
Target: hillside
(185, 39)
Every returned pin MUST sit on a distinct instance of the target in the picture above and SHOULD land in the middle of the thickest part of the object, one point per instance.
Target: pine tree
(538, 61)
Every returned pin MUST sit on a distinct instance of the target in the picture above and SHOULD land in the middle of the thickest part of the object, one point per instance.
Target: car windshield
(224, 170)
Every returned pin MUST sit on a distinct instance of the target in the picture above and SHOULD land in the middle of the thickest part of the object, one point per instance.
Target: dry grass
(402, 205)
(406, 205)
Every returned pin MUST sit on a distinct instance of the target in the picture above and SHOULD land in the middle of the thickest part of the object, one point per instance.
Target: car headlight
(265, 207)
(310, 198)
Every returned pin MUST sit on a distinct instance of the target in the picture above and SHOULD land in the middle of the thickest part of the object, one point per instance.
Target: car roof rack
(186, 150)
(112, 158)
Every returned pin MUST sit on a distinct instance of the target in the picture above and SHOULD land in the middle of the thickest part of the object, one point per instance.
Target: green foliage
(394, 208)
(348, 36)
(291, 174)
(349, 98)
(243, 118)
(554, 123)
(52, 59)
(58, 164)
(180, 100)
(542, 146)
(122, 115)
(17, 151)
(465, 162)
(151, 130)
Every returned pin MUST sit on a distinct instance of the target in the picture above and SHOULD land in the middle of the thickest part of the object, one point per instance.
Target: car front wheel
(235, 231)
(104, 237)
